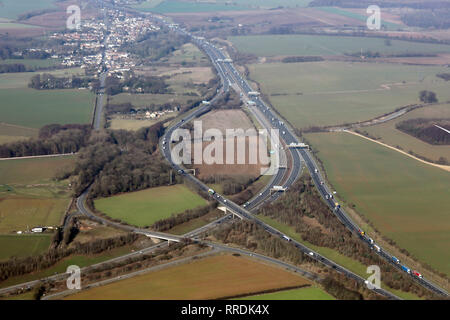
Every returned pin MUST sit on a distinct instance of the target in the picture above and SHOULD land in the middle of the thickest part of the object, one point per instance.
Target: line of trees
(19, 266)
(190, 214)
(14, 67)
(47, 81)
(428, 96)
(445, 76)
(295, 59)
(253, 237)
(133, 84)
(425, 130)
(302, 204)
(68, 140)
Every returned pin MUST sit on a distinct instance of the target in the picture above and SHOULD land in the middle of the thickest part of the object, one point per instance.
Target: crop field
(23, 245)
(11, 25)
(174, 6)
(390, 135)
(333, 93)
(143, 208)
(33, 63)
(33, 171)
(21, 79)
(36, 108)
(12, 8)
(209, 278)
(32, 108)
(10, 133)
(405, 200)
(299, 45)
(28, 196)
(18, 213)
(308, 293)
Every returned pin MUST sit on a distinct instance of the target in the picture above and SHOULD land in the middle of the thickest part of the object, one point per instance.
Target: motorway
(231, 76)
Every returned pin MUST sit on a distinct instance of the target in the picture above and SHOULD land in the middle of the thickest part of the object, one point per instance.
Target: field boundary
(37, 157)
(264, 292)
(440, 166)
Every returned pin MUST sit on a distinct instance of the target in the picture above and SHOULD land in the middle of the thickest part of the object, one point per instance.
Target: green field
(143, 208)
(21, 79)
(334, 93)
(35, 108)
(309, 293)
(406, 200)
(173, 6)
(390, 135)
(28, 195)
(33, 63)
(13, 8)
(10, 133)
(23, 245)
(299, 45)
(11, 25)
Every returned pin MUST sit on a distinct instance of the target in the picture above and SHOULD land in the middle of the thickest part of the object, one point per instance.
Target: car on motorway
(286, 238)
(377, 248)
(361, 232)
(311, 254)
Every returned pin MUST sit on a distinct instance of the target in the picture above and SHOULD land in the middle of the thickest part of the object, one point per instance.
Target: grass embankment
(348, 263)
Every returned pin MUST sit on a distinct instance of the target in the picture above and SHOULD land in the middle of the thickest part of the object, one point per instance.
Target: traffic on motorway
(231, 77)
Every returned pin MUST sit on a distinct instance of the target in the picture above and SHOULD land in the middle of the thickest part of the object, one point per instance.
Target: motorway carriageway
(228, 71)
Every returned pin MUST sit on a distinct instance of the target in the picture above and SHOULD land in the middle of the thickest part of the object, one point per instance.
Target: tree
(428, 96)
